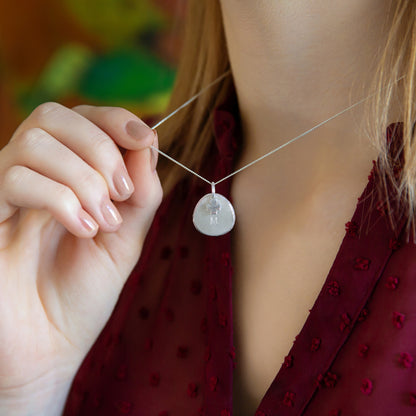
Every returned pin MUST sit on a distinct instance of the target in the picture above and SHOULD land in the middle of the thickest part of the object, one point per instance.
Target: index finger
(128, 131)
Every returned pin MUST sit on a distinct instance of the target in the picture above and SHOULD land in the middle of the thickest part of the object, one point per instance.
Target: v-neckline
(358, 265)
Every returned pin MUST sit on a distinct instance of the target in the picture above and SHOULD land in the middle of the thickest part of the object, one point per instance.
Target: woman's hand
(66, 249)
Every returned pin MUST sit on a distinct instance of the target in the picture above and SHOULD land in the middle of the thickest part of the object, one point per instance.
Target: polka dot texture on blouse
(167, 350)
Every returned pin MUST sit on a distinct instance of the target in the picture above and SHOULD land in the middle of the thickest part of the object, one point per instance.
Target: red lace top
(168, 348)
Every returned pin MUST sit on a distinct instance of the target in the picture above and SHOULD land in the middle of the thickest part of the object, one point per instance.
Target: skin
(60, 243)
(295, 64)
(58, 173)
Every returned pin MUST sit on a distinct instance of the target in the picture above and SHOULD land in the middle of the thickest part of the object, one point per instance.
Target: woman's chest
(279, 271)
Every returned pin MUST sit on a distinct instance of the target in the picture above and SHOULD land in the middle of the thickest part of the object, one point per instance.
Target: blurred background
(100, 52)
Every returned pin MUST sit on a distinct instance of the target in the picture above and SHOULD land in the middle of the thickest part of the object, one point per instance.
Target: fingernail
(138, 130)
(123, 184)
(87, 222)
(110, 213)
(154, 155)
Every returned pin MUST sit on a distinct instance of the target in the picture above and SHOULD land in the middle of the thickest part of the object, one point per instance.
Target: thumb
(141, 165)
(138, 211)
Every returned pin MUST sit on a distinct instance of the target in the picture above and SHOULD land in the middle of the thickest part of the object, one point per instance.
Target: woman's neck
(296, 63)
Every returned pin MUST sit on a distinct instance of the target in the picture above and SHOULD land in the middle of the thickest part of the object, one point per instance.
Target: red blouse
(168, 348)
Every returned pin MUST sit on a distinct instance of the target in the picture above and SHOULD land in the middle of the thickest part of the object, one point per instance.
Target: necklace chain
(216, 81)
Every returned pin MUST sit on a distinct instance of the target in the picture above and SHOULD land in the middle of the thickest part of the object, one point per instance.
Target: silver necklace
(214, 214)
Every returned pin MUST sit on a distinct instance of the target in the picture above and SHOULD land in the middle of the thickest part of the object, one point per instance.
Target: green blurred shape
(65, 70)
(60, 77)
(126, 75)
(116, 21)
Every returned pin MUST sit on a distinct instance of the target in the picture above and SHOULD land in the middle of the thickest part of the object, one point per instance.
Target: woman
(175, 344)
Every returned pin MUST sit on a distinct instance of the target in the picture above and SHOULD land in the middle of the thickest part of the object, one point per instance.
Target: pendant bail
(213, 188)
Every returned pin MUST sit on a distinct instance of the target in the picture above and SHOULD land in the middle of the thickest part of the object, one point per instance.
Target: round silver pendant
(214, 215)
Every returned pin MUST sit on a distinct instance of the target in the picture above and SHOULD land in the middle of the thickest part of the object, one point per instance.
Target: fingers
(74, 153)
(140, 162)
(138, 211)
(127, 130)
(92, 143)
(28, 189)
(65, 167)
(142, 167)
